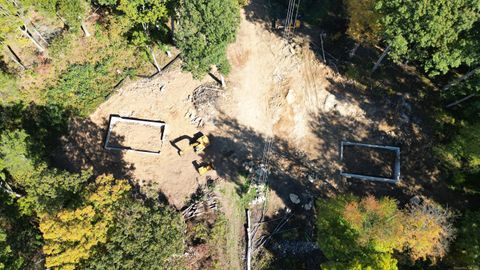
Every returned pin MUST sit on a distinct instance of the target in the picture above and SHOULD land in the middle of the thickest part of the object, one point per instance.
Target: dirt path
(251, 77)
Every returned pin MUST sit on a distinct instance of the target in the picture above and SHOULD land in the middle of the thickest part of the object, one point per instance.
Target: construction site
(284, 118)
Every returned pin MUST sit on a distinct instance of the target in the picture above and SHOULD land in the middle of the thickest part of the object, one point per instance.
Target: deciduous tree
(434, 33)
(71, 234)
(46, 189)
(364, 23)
(205, 28)
(360, 233)
(145, 236)
(147, 16)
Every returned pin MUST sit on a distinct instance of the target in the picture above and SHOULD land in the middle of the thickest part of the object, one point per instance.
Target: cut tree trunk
(354, 50)
(461, 100)
(27, 33)
(85, 30)
(157, 66)
(377, 64)
(463, 78)
(15, 57)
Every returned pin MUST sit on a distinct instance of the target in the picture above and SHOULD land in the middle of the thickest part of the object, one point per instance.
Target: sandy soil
(136, 136)
(163, 98)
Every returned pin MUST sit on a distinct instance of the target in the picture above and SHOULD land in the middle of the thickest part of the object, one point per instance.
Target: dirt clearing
(136, 136)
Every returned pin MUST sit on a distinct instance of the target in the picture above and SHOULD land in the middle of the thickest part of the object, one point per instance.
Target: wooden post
(323, 51)
(25, 31)
(224, 84)
(152, 52)
(34, 27)
(377, 64)
(6, 187)
(464, 77)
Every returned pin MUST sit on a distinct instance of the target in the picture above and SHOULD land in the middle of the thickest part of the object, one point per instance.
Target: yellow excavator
(198, 144)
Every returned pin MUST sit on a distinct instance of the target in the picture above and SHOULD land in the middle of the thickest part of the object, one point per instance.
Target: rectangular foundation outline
(396, 173)
(114, 118)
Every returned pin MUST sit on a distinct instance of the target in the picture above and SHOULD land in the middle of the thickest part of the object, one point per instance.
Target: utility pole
(460, 100)
(291, 18)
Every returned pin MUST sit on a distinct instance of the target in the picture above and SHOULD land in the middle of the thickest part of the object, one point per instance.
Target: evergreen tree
(466, 249)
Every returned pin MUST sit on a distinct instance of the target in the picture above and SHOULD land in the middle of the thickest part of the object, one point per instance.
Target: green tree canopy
(73, 12)
(7, 258)
(461, 155)
(149, 12)
(466, 249)
(434, 33)
(205, 28)
(20, 240)
(46, 189)
(145, 236)
(10, 22)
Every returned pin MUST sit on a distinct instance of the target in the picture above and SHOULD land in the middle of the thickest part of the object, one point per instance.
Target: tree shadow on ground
(237, 143)
(290, 241)
(316, 16)
(83, 147)
(44, 124)
(393, 121)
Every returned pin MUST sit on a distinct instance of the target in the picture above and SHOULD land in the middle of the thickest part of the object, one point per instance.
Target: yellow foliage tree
(71, 234)
(364, 26)
(428, 231)
(377, 222)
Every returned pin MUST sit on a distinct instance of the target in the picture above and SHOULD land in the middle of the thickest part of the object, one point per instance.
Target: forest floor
(276, 89)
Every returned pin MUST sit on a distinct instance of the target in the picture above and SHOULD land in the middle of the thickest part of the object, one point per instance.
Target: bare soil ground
(368, 161)
(163, 98)
(136, 136)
